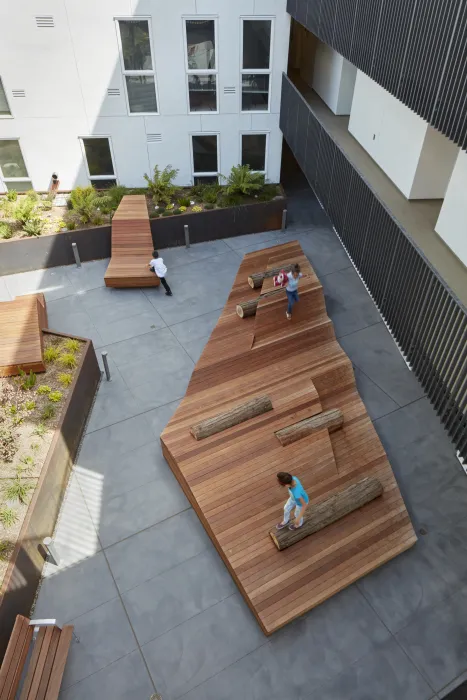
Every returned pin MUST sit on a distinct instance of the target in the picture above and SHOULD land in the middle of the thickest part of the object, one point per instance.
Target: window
(99, 161)
(12, 166)
(138, 66)
(205, 164)
(254, 151)
(4, 107)
(256, 64)
(201, 64)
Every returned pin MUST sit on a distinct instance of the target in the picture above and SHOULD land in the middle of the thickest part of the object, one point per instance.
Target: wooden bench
(37, 653)
(132, 246)
(21, 341)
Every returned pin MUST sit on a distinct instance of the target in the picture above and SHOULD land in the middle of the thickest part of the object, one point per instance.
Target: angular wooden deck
(230, 477)
(21, 340)
(132, 246)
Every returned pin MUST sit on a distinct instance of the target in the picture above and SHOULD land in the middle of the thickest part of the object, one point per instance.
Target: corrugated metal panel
(365, 33)
(393, 34)
(326, 22)
(344, 26)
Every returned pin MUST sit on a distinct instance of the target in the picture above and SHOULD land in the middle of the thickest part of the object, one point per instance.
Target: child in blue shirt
(298, 499)
(293, 279)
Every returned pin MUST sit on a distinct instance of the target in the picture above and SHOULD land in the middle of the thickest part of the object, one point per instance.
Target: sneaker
(295, 527)
(168, 294)
(280, 526)
(289, 316)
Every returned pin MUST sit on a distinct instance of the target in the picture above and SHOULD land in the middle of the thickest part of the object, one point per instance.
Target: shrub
(209, 206)
(34, 446)
(230, 200)
(12, 195)
(67, 359)
(30, 405)
(244, 181)
(48, 412)
(55, 396)
(161, 210)
(8, 517)
(182, 209)
(32, 195)
(51, 354)
(268, 192)
(170, 206)
(85, 201)
(197, 191)
(24, 210)
(7, 208)
(8, 445)
(72, 345)
(184, 202)
(115, 195)
(59, 224)
(34, 226)
(210, 194)
(40, 430)
(167, 213)
(6, 549)
(97, 219)
(5, 231)
(65, 378)
(18, 490)
(197, 209)
(26, 381)
(25, 465)
(48, 201)
(13, 410)
(160, 186)
(154, 215)
(70, 220)
(177, 211)
(44, 389)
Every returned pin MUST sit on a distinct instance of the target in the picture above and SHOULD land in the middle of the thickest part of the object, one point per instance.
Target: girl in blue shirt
(298, 499)
(292, 288)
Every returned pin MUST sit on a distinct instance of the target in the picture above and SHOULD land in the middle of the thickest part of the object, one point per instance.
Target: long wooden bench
(21, 341)
(132, 246)
(36, 656)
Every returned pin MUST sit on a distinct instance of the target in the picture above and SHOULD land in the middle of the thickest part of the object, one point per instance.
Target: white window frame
(6, 180)
(266, 152)
(256, 71)
(204, 174)
(6, 116)
(208, 71)
(125, 72)
(91, 178)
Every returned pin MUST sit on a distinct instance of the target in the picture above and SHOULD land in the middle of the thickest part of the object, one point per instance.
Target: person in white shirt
(293, 279)
(159, 269)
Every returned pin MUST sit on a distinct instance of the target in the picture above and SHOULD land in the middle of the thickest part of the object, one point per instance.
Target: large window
(256, 64)
(12, 166)
(99, 162)
(205, 161)
(254, 151)
(4, 107)
(138, 66)
(201, 64)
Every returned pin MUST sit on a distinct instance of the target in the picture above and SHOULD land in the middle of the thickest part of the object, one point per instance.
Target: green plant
(8, 517)
(67, 359)
(161, 210)
(167, 213)
(7, 208)
(98, 218)
(242, 180)
(25, 465)
(44, 389)
(177, 211)
(209, 206)
(55, 396)
(34, 226)
(5, 550)
(48, 201)
(59, 224)
(230, 200)
(210, 193)
(5, 231)
(197, 191)
(154, 215)
(182, 209)
(18, 490)
(32, 195)
(72, 345)
(13, 410)
(40, 430)
(70, 221)
(51, 354)
(65, 378)
(24, 210)
(184, 202)
(8, 445)
(85, 201)
(12, 195)
(160, 186)
(26, 381)
(34, 446)
(170, 206)
(30, 405)
(115, 195)
(48, 412)
(197, 209)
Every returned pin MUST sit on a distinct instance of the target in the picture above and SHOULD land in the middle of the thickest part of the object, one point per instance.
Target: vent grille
(154, 138)
(229, 91)
(113, 92)
(44, 21)
(18, 93)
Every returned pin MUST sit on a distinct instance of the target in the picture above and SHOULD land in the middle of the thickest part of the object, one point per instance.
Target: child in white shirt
(159, 269)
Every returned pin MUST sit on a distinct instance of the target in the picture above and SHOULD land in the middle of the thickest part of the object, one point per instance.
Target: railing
(424, 316)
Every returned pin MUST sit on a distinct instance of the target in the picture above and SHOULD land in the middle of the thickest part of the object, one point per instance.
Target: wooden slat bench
(21, 342)
(42, 659)
(132, 246)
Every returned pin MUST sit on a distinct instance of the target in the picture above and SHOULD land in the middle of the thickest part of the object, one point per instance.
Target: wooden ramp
(229, 477)
(21, 341)
(132, 246)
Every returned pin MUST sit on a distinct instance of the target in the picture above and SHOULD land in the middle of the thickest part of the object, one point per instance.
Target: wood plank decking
(21, 340)
(230, 477)
(132, 246)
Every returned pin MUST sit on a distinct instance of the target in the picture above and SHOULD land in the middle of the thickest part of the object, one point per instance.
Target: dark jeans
(165, 285)
(292, 297)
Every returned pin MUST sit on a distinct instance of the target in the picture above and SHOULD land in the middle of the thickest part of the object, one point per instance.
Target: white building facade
(101, 92)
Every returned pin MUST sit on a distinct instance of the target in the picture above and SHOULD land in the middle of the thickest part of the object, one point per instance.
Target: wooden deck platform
(230, 477)
(21, 340)
(132, 246)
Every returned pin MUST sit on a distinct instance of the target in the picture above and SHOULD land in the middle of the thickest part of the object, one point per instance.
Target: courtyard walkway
(153, 606)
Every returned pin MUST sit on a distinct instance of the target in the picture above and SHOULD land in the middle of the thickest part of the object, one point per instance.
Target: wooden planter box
(26, 254)
(25, 568)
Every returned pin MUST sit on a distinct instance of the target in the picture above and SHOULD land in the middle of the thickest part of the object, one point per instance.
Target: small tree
(243, 180)
(85, 201)
(161, 184)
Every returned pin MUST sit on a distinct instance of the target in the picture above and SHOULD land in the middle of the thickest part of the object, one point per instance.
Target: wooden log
(332, 420)
(236, 415)
(257, 278)
(334, 508)
(248, 308)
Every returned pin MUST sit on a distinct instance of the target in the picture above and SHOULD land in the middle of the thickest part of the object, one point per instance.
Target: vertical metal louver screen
(428, 322)
(415, 49)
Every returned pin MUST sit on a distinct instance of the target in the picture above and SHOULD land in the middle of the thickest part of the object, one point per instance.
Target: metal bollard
(51, 551)
(187, 236)
(284, 219)
(106, 365)
(76, 254)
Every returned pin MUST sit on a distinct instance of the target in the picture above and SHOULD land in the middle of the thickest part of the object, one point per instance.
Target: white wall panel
(452, 221)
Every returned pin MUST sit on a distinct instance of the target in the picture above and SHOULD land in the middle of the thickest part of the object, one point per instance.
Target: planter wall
(24, 572)
(167, 232)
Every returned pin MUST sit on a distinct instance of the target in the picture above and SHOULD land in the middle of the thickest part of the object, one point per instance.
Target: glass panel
(19, 185)
(254, 151)
(11, 159)
(256, 43)
(255, 92)
(202, 89)
(103, 184)
(141, 93)
(98, 156)
(200, 44)
(206, 179)
(135, 45)
(205, 154)
(4, 109)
